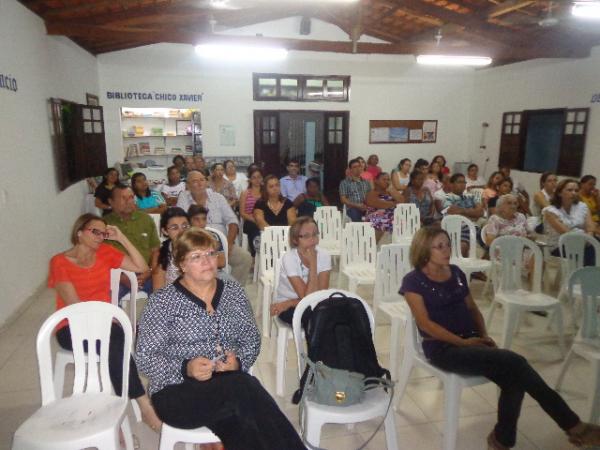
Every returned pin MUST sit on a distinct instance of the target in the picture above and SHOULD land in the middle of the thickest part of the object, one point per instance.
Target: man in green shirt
(139, 228)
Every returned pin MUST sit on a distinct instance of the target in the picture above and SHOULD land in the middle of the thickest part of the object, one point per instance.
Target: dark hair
(491, 178)
(455, 177)
(175, 158)
(439, 174)
(380, 174)
(371, 157)
(293, 161)
(106, 173)
(353, 161)
(164, 254)
(252, 172)
(117, 188)
(586, 178)
(471, 166)
(80, 224)
(263, 190)
(401, 163)
(134, 178)
(215, 165)
(420, 163)
(414, 174)
(196, 210)
(507, 179)
(544, 177)
(556, 200)
(439, 156)
(169, 213)
(251, 167)
(171, 168)
(313, 180)
(227, 161)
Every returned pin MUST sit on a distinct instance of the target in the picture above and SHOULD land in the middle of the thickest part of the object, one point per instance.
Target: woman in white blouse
(239, 179)
(542, 198)
(304, 269)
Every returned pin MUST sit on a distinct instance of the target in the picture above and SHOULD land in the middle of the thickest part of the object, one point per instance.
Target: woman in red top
(81, 274)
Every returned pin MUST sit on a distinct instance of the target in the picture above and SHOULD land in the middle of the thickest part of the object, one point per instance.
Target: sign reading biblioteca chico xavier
(158, 96)
(8, 82)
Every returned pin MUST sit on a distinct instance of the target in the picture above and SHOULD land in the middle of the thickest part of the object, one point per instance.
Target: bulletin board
(402, 131)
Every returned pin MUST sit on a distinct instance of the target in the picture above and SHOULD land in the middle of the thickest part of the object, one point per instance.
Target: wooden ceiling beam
(87, 7)
(506, 7)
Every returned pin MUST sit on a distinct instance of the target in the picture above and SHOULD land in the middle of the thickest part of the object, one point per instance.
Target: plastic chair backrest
(274, 242)
(329, 222)
(310, 301)
(453, 224)
(407, 221)
(115, 281)
(589, 280)
(572, 250)
(358, 244)
(224, 243)
(477, 194)
(156, 218)
(509, 250)
(393, 263)
(89, 321)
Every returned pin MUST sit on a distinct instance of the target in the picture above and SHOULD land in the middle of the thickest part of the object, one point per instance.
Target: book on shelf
(144, 148)
(156, 131)
(132, 150)
(189, 149)
(159, 150)
(176, 150)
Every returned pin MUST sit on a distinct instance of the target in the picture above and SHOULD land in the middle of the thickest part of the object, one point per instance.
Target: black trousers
(234, 405)
(115, 360)
(515, 377)
(288, 315)
(251, 229)
(589, 255)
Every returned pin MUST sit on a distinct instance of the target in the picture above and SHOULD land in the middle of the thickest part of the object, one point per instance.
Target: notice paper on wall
(402, 131)
(227, 135)
(415, 135)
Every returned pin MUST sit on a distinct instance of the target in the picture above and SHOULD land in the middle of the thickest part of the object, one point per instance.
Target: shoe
(589, 435)
(493, 443)
(478, 276)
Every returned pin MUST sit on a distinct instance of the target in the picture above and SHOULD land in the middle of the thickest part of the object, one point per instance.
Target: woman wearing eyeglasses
(81, 274)
(304, 269)
(173, 222)
(197, 341)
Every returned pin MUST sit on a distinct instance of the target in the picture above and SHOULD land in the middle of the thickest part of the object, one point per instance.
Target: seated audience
(218, 183)
(173, 187)
(491, 188)
(221, 217)
(293, 184)
(238, 179)
(439, 197)
(381, 205)
(422, 165)
(196, 342)
(307, 203)
(139, 228)
(248, 199)
(305, 269)
(455, 339)
(589, 195)
(433, 180)
(506, 187)
(474, 180)
(102, 193)
(365, 174)
(372, 166)
(441, 160)
(353, 190)
(179, 162)
(567, 214)
(173, 223)
(518, 189)
(149, 201)
(273, 208)
(82, 274)
(417, 193)
(401, 175)
(199, 163)
(541, 199)
(506, 219)
(190, 164)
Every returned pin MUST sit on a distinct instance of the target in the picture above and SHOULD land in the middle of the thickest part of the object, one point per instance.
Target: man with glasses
(293, 184)
(139, 228)
(221, 217)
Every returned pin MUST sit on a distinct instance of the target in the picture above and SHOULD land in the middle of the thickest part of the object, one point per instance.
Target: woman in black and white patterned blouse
(196, 342)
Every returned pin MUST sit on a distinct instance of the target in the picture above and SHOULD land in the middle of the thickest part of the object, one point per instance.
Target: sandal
(589, 435)
(493, 443)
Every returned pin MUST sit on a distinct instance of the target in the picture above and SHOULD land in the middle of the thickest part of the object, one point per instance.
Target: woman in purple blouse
(455, 340)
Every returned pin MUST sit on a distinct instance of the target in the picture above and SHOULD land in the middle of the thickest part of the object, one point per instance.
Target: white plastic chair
(225, 245)
(477, 194)
(508, 291)
(453, 383)
(359, 254)
(273, 244)
(375, 403)
(93, 415)
(156, 218)
(329, 222)
(453, 224)
(393, 263)
(572, 248)
(407, 221)
(345, 218)
(587, 341)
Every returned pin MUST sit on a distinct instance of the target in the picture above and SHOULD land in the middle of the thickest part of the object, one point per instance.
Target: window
(269, 130)
(335, 130)
(544, 140)
(301, 88)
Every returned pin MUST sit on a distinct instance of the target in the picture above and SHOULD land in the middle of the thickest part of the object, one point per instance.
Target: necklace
(275, 209)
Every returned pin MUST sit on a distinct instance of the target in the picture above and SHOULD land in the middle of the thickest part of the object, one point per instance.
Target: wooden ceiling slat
(507, 7)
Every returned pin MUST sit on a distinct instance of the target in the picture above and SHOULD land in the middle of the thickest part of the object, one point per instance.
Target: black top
(103, 193)
(272, 219)
(492, 202)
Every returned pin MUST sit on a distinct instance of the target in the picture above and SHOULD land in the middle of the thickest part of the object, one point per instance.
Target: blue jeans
(146, 287)
(355, 214)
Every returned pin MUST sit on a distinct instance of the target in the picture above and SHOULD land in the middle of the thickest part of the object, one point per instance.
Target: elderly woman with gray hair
(506, 220)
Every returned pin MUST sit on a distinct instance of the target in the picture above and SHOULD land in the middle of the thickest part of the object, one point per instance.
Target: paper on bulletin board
(429, 131)
(380, 134)
(398, 134)
(227, 135)
(415, 135)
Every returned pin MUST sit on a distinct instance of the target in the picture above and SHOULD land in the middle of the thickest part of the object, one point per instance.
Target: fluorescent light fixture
(240, 52)
(586, 10)
(453, 60)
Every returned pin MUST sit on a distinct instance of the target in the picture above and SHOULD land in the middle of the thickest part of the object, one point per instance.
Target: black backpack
(338, 333)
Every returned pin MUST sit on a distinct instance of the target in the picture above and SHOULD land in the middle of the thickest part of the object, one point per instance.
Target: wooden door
(266, 142)
(335, 152)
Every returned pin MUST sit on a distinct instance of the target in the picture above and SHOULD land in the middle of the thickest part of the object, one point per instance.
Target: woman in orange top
(81, 274)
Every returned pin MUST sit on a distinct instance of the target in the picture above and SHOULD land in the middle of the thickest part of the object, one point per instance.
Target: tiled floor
(419, 416)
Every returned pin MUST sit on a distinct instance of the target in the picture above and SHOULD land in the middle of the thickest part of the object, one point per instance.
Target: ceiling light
(586, 10)
(240, 52)
(453, 60)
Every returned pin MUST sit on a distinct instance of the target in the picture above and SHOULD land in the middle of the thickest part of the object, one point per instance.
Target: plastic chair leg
(282, 338)
(127, 435)
(560, 330)
(563, 369)
(403, 375)
(313, 429)
(511, 319)
(137, 413)
(60, 367)
(452, 393)
(394, 345)
(594, 400)
(352, 285)
(391, 439)
(167, 442)
(266, 314)
(490, 314)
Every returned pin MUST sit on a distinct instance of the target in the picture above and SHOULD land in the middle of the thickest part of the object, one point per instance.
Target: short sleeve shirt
(291, 266)
(497, 226)
(172, 191)
(355, 190)
(220, 215)
(153, 200)
(139, 229)
(272, 218)
(574, 220)
(293, 187)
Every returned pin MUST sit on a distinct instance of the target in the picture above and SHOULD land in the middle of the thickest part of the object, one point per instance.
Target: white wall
(534, 85)
(35, 218)
(382, 87)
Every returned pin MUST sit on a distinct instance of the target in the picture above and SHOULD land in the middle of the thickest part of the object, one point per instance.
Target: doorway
(317, 139)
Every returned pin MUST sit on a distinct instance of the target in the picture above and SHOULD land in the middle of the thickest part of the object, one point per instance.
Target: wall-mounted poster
(227, 135)
(402, 131)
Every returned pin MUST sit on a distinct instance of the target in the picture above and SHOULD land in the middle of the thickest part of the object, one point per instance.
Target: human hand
(142, 277)
(200, 368)
(280, 307)
(308, 257)
(230, 363)
(476, 341)
(114, 233)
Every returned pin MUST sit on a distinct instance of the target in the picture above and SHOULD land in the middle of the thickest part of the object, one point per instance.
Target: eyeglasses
(175, 227)
(309, 235)
(441, 247)
(206, 256)
(98, 233)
